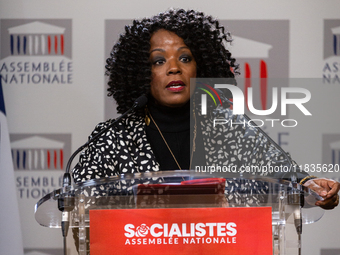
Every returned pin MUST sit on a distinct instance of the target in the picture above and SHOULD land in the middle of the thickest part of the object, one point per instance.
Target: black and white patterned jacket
(125, 148)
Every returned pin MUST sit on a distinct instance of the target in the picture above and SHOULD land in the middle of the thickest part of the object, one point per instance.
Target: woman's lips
(175, 86)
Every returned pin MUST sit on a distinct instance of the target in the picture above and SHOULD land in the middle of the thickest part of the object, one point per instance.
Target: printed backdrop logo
(36, 51)
(331, 49)
(38, 161)
(250, 49)
(38, 153)
(261, 56)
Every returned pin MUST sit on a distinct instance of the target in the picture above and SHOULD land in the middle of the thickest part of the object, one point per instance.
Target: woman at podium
(157, 57)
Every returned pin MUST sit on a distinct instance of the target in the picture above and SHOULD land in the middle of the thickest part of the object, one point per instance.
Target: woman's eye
(186, 58)
(158, 61)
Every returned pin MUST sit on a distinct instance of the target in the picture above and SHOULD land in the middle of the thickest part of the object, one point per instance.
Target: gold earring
(147, 118)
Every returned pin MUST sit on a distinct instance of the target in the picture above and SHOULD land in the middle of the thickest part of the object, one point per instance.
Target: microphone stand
(66, 199)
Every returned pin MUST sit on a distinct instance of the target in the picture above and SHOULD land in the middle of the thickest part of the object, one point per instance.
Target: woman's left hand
(328, 189)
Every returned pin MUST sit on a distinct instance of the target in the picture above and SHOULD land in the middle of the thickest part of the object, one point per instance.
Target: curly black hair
(129, 68)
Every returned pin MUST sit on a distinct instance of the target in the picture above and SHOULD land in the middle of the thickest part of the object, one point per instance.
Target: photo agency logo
(331, 50)
(288, 96)
(207, 88)
(36, 51)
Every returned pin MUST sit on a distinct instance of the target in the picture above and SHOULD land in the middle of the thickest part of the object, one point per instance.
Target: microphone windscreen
(140, 102)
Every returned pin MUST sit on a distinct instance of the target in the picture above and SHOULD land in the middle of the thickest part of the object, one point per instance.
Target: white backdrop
(67, 112)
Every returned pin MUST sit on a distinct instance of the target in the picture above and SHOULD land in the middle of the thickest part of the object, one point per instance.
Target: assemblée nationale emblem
(36, 52)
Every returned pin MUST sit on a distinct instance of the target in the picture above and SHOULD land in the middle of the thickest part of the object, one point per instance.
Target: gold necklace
(167, 145)
(147, 120)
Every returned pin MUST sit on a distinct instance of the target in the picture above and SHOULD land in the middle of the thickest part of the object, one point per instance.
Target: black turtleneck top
(174, 124)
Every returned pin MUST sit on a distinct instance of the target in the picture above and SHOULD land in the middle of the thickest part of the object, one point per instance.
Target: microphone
(66, 202)
(140, 102)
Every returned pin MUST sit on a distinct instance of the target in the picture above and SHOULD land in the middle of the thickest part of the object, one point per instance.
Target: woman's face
(172, 67)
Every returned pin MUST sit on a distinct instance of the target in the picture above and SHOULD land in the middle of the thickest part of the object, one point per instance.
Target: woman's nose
(174, 67)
